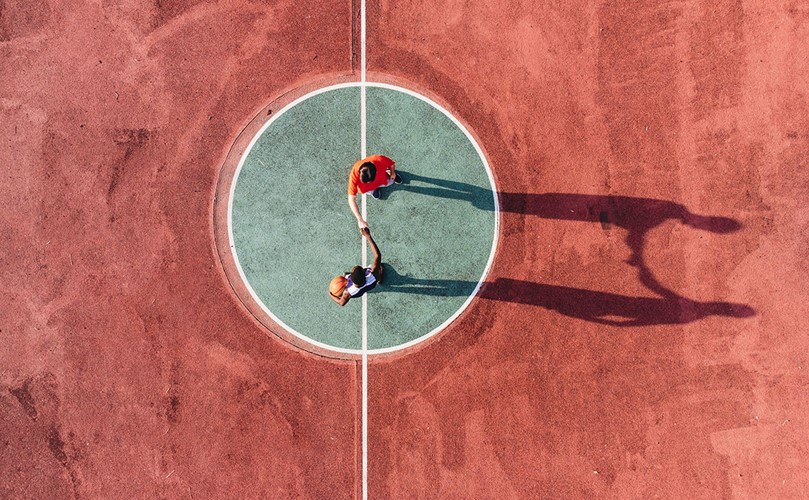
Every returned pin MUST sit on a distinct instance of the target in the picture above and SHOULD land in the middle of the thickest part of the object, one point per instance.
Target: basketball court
(595, 268)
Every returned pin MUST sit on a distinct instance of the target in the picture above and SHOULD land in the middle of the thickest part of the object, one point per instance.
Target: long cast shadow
(597, 307)
(610, 308)
(637, 216)
(392, 281)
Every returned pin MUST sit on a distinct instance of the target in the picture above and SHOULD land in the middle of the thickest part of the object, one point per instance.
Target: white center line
(362, 41)
(363, 154)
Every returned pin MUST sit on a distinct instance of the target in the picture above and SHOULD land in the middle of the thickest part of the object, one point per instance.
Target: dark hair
(358, 276)
(367, 172)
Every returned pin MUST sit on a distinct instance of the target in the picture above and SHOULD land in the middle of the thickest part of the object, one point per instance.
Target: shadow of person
(637, 216)
(392, 281)
(609, 308)
(596, 307)
(480, 197)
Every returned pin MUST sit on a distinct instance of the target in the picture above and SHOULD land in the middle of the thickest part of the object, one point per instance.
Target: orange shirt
(382, 163)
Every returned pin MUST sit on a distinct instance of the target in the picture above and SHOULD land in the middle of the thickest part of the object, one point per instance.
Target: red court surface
(627, 343)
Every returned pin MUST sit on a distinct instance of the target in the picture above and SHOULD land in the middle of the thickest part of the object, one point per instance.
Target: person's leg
(396, 179)
(377, 193)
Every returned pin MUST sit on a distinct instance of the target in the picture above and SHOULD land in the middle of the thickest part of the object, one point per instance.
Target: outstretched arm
(342, 299)
(352, 203)
(376, 267)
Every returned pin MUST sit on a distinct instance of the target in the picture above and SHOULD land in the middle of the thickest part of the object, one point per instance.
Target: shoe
(398, 179)
(375, 194)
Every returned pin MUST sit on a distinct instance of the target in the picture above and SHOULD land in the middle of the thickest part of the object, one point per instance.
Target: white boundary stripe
(341, 349)
(363, 153)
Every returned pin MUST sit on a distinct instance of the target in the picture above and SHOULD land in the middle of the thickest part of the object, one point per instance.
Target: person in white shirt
(360, 279)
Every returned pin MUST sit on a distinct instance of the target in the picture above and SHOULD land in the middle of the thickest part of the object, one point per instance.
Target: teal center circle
(291, 230)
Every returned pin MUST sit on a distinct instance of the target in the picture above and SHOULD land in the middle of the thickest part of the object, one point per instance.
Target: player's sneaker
(375, 194)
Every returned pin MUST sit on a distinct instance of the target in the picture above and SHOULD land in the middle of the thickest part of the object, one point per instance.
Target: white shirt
(356, 291)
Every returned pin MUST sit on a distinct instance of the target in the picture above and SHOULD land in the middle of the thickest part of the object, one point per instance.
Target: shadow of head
(728, 309)
(713, 224)
(606, 307)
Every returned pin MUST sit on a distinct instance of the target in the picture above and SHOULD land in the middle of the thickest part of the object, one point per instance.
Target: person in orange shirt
(370, 174)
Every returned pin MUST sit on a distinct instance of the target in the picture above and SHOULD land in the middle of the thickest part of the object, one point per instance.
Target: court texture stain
(290, 230)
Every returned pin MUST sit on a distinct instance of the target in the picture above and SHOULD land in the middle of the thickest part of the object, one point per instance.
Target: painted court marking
(324, 345)
(438, 287)
(363, 154)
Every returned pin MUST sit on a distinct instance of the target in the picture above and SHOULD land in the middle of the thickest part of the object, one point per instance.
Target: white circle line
(398, 347)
